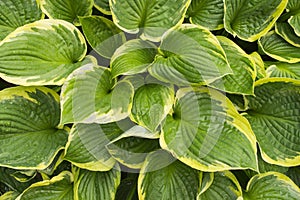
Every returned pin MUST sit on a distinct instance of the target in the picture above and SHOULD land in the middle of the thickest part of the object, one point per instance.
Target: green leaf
(103, 6)
(41, 53)
(276, 47)
(151, 104)
(127, 189)
(132, 57)
(102, 34)
(275, 119)
(259, 65)
(59, 187)
(132, 147)
(86, 145)
(282, 69)
(251, 19)
(243, 67)
(90, 185)
(293, 8)
(16, 13)
(189, 55)
(11, 195)
(68, 10)
(207, 13)
(287, 32)
(224, 186)
(294, 174)
(207, 133)
(169, 177)
(29, 137)
(148, 18)
(91, 95)
(271, 186)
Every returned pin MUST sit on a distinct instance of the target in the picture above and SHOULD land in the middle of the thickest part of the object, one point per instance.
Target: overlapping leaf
(293, 8)
(103, 6)
(41, 53)
(282, 69)
(287, 32)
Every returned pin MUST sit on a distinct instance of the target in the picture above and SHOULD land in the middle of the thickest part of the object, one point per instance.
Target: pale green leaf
(16, 13)
(207, 133)
(147, 17)
(132, 57)
(274, 115)
(29, 137)
(243, 67)
(259, 65)
(189, 55)
(41, 53)
(207, 13)
(271, 186)
(276, 47)
(287, 32)
(102, 34)
(103, 6)
(90, 185)
(162, 177)
(251, 19)
(282, 69)
(68, 10)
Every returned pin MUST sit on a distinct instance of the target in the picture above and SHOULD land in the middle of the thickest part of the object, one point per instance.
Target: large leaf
(147, 17)
(68, 10)
(133, 57)
(271, 186)
(275, 119)
(287, 32)
(90, 185)
(16, 13)
(207, 133)
(162, 177)
(189, 55)
(276, 47)
(151, 104)
(207, 13)
(293, 8)
(29, 137)
(41, 53)
(86, 145)
(59, 187)
(243, 67)
(282, 69)
(224, 186)
(90, 95)
(251, 19)
(102, 34)
(132, 147)
(103, 6)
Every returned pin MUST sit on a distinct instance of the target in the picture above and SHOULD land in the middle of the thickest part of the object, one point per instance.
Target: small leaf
(11, 195)
(293, 8)
(251, 19)
(161, 172)
(287, 32)
(273, 186)
(282, 69)
(68, 10)
(207, 13)
(128, 188)
(259, 65)
(103, 6)
(148, 18)
(102, 34)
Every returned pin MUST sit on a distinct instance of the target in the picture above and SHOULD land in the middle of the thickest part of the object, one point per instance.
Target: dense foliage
(149, 99)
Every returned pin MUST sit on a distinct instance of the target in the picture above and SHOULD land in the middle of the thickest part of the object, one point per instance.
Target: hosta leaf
(41, 53)
(131, 148)
(102, 34)
(243, 67)
(224, 186)
(189, 55)
(133, 57)
(16, 13)
(68, 10)
(294, 174)
(162, 177)
(148, 18)
(207, 13)
(287, 32)
(293, 8)
(151, 104)
(207, 133)
(282, 69)
(271, 186)
(29, 138)
(59, 187)
(90, 185)
(274, 114)
(86, 145)
(103, 6)
(127, 189)
(251, 19)
(276, 47)
(11, 195)
(259, 65)
(91, 95)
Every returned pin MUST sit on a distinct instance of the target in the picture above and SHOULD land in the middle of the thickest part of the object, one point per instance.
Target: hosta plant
(150, 99)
